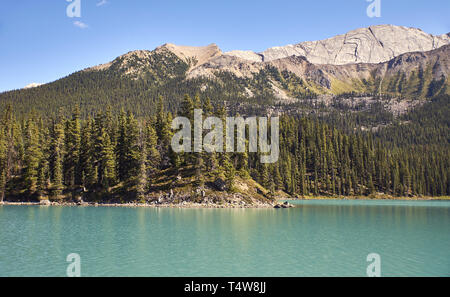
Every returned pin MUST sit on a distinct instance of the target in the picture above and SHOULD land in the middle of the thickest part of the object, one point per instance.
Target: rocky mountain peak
(194, 55)
(375, 44)
(331, 65)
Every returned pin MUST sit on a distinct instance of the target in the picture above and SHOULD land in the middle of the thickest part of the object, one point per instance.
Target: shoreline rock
(187, 204)
(283, 205)
(45, 203)
(137, 205)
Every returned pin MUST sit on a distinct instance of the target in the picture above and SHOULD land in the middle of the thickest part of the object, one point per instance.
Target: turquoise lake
(318, 238)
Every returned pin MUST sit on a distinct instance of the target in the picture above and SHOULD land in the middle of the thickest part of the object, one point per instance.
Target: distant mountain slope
(407, 70)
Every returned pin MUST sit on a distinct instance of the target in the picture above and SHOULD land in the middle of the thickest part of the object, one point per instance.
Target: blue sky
(40, 43)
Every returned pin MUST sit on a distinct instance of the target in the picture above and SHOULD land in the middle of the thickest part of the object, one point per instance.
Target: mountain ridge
(374, 44)
(206, 61)
(414, 40)
(136, 79)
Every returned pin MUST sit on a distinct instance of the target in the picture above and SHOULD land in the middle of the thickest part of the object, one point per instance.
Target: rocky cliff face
(375, 44)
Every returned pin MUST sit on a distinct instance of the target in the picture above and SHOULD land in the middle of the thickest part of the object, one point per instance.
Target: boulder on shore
(45, 202)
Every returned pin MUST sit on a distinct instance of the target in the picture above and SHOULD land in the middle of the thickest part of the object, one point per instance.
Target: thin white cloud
(101, 3)
(80, 25)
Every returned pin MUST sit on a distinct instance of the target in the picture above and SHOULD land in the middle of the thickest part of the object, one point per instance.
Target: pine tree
(142, 177)
(153, 155)
(122, 149)
(88, 161)
(13, 148)
(44, 167)
(73, 146)
(395, 179)
(211, 162)
(57, 159)
(198, 157)
(187, 111)
(133, 148)
(161, 120)
(228, 171)
(107, 162)
(33, 157)
(277, 178)
(265, 178)
(187, 107)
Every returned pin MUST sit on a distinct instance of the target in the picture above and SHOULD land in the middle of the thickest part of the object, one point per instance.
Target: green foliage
(40, 158)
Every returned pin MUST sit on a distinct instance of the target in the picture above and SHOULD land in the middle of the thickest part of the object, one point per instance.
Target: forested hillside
(126, 156)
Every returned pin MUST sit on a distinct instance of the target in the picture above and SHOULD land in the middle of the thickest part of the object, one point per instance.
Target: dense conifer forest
(111, 151)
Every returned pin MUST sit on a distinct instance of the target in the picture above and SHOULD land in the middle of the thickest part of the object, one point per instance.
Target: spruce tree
(151, 144)
(33, 157)
(142, 178)
(107, 162)
(88, 160)
(57, 157)
(73, 146)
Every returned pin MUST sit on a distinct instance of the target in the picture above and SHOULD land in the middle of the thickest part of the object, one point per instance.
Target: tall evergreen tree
(57, 157)
(107, 162)
(73, 147)
(33, 156)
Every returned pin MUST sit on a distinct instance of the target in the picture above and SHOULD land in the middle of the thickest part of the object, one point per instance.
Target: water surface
(318, 238)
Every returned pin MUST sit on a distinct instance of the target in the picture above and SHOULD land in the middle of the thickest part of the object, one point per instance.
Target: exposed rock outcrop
(375, 44)
(194, 55)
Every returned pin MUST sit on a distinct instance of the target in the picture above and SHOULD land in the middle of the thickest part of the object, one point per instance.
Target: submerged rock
(284, 205)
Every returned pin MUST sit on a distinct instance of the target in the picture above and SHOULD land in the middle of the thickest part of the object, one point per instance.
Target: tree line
(67, 155)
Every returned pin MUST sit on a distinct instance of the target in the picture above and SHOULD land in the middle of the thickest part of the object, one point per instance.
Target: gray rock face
(375, 44)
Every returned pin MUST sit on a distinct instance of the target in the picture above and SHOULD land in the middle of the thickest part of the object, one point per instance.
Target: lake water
(319, 238)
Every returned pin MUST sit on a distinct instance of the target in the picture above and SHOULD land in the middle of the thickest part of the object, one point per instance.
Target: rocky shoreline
(193, 205)
(133, 205)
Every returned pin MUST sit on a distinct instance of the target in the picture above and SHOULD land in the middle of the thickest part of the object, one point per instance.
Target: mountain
(137, 62)
(340, 64)
(374, 44)
(405, 64)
